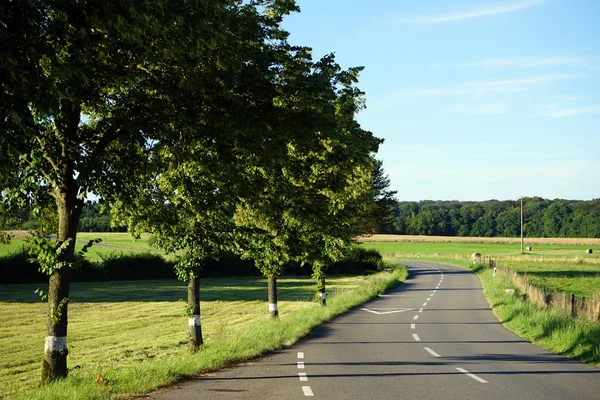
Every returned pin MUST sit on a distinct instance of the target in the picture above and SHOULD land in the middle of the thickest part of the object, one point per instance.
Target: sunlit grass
(135, 333)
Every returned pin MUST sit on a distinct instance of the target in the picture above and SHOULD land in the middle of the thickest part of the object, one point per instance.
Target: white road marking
(303, 377)
(386, 310)
(416, 337)
(307, 391)
(420, 310)
(416, 317)
(300, 364)
(429, 298)
(300, 354)
(412, 326)
(433, 353)
(434, 291)
(464, 371)
(424, 304)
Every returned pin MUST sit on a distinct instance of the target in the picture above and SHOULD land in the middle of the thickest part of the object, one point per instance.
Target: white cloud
(528, 62)
(558, 112)
(487, 109)
(468, 14)
(479, 88)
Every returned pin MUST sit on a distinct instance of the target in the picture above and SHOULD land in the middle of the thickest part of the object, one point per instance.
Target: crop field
(122, 328)
(556, 264)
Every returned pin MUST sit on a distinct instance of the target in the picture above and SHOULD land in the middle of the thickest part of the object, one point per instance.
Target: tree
(320, 161)
(189, 197)
(379, 217)
(89, 89)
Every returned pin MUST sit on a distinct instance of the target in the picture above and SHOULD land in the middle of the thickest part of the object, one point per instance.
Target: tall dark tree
(89, 88)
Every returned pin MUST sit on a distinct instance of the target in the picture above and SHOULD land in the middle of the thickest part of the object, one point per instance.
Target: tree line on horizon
(494, 218)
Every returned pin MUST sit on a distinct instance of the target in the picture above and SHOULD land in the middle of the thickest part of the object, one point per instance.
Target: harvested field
(457, 239)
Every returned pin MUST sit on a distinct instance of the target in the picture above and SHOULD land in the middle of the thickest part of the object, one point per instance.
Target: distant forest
(493, 218)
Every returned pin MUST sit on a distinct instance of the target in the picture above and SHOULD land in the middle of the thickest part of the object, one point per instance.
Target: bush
(16, 268)
(358, 261)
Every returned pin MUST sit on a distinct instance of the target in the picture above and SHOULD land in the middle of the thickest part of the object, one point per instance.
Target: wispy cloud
(557, 112)
(468, 14)
(486, 109)
(479, 88)
(554, 61)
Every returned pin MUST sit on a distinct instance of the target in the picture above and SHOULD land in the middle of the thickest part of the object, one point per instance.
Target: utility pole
(522, 225)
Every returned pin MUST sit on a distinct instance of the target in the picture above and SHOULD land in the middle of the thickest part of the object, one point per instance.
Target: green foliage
(47, 254)
(543, 218)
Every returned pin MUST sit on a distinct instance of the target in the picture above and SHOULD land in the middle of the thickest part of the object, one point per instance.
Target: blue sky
(476, 100)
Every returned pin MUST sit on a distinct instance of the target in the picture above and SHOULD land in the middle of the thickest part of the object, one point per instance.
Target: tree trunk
(322, 295)
(194, 313)
(54, 365)
(273, 311)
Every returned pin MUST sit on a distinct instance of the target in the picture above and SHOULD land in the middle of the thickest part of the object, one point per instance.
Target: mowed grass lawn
(111, 244)
(116, 325)
(563, 267)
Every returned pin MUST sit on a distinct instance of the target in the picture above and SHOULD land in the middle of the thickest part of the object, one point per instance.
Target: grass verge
(134, 333)
(549, 329)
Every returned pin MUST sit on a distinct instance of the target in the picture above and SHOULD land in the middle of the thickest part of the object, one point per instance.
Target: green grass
(118, 245)
(392, 249)
(566, 268)
(135, 333)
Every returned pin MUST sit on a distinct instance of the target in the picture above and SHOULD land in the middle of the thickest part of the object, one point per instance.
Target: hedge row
(17, 268)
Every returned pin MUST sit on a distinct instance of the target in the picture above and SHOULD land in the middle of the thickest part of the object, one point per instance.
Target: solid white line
(307, 391)
(424, 304)
(303, 377)
(416, 317)
(416, 337)
(300, 354)
(420, 310)
(464, 371)
(300, 364)
(433, 353)
(412, 326)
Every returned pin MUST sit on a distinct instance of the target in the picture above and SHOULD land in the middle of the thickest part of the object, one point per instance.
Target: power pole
(522, 225)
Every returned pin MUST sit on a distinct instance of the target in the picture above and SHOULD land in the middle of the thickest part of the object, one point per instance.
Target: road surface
(433, 337)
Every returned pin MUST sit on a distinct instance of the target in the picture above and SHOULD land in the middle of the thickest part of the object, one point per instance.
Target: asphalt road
(433, 337)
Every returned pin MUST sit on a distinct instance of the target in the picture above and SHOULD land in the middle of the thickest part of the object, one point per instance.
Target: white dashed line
(307, 391)
(303, 377)
(434, 291)
(412, 326)
(424, 304)
(429, 298)
(416, 317)
(433, 353)
(464, 371)
(300, 354)
(300, 364)
(420, 310)
(416, 337)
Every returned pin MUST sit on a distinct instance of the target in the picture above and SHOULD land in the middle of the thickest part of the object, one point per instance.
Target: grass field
(112, 243)
(128, 330)
(561, 266)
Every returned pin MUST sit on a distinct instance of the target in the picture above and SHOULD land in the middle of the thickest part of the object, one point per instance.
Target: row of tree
(542, 218)
(193, 120)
